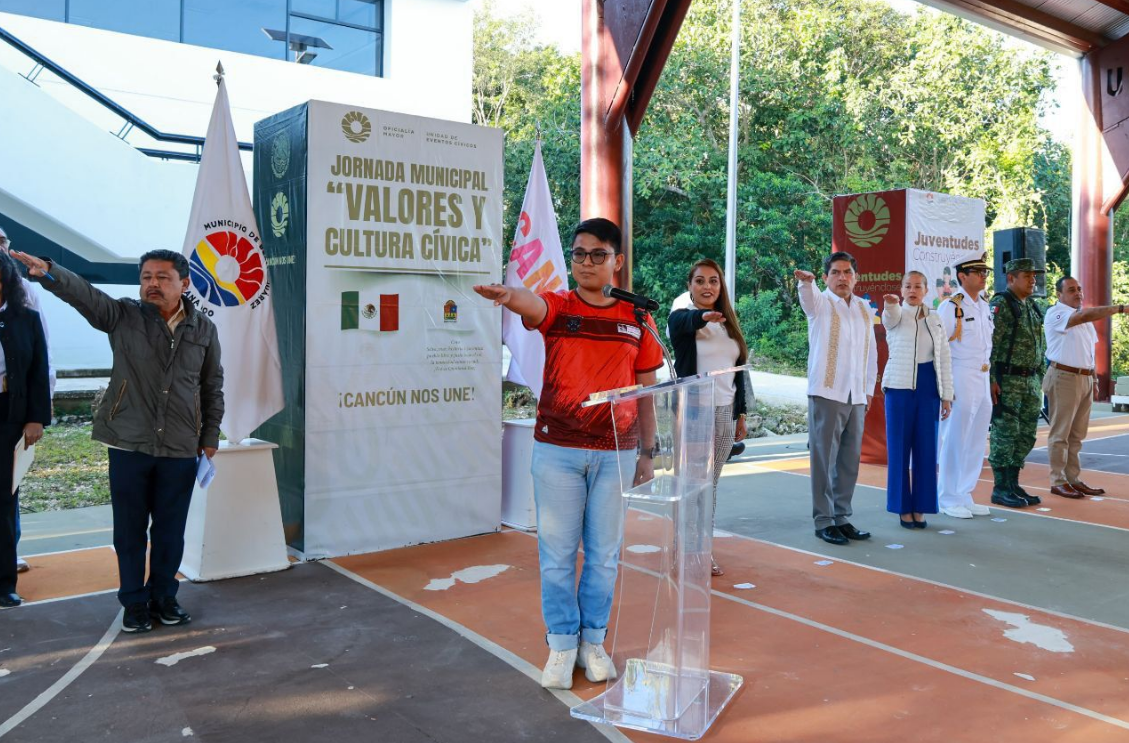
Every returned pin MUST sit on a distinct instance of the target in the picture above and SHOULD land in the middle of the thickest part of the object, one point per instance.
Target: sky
(560, 25)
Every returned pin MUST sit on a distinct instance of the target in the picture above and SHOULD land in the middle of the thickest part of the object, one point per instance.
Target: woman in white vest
(918, 384)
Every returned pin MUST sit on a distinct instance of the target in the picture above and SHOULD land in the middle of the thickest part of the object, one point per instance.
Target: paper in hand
(21, 462)
(205, 471)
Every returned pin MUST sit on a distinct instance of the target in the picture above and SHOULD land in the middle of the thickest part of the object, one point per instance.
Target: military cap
(1023, 264)
(973, 264)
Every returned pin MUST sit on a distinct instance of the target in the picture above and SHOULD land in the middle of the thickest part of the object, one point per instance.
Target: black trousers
(9, 436)
(144, 487)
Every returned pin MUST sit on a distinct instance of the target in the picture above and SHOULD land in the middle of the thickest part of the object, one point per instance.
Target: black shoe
(851, 532)
(168, 611)
(1031, 500)
(10, 600)
(1007, 498)
(832, 535)
(737, 450)
(920, 524)
(136, 618)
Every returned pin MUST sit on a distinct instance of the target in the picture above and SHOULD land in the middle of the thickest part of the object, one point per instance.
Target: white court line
(1018, 511)
(520, 664)
(67, 552)
(60, 535)
(67, 679)
(939, 584)
(970, 675)
(907, 576)
(68, 598)
(530, 671)
(1047, 490)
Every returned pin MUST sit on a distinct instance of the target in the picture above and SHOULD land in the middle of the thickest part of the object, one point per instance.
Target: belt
(1016, 371)
(1072, 370)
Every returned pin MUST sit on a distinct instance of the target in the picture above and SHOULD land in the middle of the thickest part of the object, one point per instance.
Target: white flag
(229, 279)
(536, 263)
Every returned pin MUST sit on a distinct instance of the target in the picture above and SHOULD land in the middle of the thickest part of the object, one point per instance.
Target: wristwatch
(651, 453)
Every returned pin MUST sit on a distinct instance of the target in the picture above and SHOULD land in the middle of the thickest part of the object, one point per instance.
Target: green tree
(837, 96)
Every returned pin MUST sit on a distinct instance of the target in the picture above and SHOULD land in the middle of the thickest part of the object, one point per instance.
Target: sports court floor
(1013, 627)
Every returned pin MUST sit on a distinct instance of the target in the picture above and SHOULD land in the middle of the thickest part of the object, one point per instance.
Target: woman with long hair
(706, 337)
(918, 384)
(25, 405)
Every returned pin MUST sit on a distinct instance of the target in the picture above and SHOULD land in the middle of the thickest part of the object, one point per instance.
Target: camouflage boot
(1031, 500)
(1002, 494)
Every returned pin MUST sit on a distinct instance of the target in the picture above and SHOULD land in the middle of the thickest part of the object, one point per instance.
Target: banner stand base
(235, 525)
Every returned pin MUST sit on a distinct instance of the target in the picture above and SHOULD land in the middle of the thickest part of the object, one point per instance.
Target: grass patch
(70, 471)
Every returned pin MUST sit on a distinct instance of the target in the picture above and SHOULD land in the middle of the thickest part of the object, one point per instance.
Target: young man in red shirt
(592, 343)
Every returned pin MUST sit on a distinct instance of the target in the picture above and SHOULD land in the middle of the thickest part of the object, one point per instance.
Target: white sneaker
(21, 565)
(558, 669)
(958, 512)
(978, 510)
(595, 662)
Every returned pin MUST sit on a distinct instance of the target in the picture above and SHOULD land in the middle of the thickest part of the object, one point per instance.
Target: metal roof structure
(1073, 27)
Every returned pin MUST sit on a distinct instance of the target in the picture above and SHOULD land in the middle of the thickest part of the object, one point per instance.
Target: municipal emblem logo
(356, 126)
(280, 155)
(279, 214)
(450, 311)
(867, 220)
(227, 269)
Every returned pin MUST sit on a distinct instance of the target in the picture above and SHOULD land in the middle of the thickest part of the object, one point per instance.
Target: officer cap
(973, 264)
(1023, 264)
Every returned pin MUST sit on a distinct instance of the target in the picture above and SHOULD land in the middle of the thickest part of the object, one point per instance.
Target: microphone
(638, 300)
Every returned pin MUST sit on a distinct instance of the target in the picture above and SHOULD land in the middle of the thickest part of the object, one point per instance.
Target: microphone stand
(641, 316)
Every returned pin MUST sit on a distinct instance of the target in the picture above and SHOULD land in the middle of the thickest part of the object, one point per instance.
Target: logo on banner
(356, 126)
(867, 220)
(227, 269)
(279, 214)
(450, 311)
(280, 155)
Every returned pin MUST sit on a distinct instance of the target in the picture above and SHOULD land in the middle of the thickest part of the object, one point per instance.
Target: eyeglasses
(597, 256)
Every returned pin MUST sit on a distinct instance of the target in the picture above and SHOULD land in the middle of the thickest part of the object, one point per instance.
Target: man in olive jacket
(161, 412)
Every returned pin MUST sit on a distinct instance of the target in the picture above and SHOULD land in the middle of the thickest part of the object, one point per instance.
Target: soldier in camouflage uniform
(1018, 346)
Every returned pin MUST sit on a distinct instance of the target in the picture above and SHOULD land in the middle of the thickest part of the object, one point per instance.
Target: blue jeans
(579, 497)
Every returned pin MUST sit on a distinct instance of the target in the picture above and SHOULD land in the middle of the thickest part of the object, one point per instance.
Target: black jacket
(683, 326)
(165, 396)
(25, 354)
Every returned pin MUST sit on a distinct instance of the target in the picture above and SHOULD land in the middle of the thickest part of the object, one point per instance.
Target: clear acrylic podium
(660, 641)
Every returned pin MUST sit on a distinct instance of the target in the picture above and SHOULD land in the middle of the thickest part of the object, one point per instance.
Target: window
(237, 26)
(156, 19)
(350, 28)
(52, 10)
(342, 35)
(351, 49)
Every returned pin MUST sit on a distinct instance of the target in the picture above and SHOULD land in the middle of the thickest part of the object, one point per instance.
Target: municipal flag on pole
(229, 280)
(536, 263)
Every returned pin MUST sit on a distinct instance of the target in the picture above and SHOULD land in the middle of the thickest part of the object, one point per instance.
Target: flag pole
(731, 198)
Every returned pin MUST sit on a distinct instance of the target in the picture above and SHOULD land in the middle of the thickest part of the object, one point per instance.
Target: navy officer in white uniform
(967, 320)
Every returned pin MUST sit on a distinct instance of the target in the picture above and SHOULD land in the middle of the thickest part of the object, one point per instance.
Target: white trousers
(964, 437)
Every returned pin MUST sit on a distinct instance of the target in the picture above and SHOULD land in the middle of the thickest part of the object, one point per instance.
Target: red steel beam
(1095, 224)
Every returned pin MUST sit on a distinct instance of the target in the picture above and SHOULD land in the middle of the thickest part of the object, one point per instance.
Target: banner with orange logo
(890, 233)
